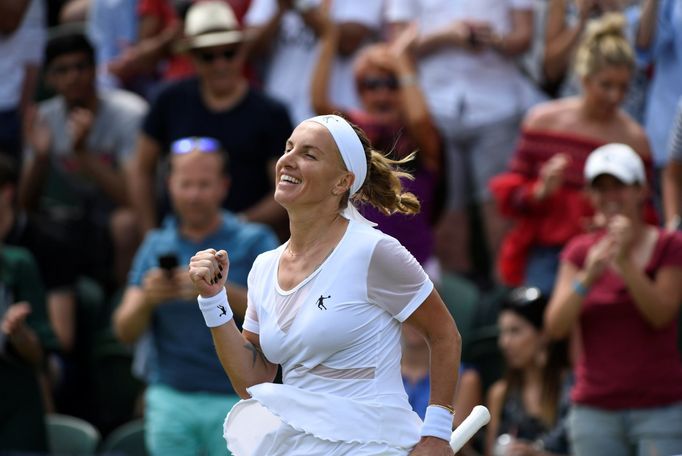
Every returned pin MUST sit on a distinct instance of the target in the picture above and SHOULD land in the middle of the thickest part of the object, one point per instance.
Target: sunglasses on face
(211, 56)
(390, 83)
(79, 67)
(187, 145)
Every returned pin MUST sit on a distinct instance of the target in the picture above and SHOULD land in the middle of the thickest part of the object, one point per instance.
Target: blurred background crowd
(136, 132)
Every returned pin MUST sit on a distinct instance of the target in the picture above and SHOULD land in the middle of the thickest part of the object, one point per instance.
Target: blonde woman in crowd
(542, 190)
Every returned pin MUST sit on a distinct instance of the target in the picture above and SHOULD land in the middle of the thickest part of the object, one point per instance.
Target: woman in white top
(327, 306)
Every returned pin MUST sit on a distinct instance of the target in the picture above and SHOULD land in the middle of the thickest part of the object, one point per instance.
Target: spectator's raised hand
(159, 286)
(143, 56)
(20, 334)
(129, 63)
(460, 34)
(551, 176)
(621, 231)
(14, 320)
(38, 133)
(208, 270)
(598, 258)
(327, 24)
(405, 41)
(586, 8)
(482, 35)
(79, 125)
(186, 288)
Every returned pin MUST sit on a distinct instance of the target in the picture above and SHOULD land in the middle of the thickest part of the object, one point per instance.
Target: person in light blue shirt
(112, 28)
(659, 42)
(188, 393)
(672, 175)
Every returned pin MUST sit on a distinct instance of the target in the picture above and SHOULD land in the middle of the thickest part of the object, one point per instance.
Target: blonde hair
(382, 188)
(604, 45)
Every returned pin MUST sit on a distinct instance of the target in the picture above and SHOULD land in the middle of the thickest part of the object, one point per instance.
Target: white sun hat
(617, 160)
(210, 23)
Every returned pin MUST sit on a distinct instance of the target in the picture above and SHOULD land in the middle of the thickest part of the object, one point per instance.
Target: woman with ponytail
(328, 306)
(542, 191)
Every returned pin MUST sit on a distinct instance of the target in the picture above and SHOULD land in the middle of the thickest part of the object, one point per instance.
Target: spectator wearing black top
(25, 336)
(25, 333)
(218, 103)
(530, 405)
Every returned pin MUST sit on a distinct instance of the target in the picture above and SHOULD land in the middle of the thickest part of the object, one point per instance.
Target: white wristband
(437, 423)
(216, 309)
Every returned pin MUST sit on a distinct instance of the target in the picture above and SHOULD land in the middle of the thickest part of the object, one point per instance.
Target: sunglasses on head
(211, 56)
(389, 82)
(529, 302)
(187, 145)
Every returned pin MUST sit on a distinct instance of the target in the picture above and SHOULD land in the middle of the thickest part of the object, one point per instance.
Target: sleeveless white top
(337, 338)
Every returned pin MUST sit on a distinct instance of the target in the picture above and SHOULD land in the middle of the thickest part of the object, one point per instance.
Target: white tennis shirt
(337, 337)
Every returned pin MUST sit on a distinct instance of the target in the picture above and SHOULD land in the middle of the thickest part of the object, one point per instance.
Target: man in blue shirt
(188, 394)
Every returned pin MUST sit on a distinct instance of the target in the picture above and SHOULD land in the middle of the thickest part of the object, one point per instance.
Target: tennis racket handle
(479, 417)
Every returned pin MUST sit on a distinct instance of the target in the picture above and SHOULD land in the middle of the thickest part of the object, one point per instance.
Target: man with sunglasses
(188, 393)
(218, 103)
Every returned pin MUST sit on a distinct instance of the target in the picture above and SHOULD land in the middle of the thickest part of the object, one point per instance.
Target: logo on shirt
(320, 302)
(223, 311)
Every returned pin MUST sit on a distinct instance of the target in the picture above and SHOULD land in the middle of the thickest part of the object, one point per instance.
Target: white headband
(353, 155)
(349, 145)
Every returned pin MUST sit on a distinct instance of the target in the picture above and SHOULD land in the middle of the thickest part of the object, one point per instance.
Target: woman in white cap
(327, 306)
(542, 189)
(622, 288)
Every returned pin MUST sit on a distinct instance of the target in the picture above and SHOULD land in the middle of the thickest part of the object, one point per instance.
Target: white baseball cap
(210, 23)
(617, 160)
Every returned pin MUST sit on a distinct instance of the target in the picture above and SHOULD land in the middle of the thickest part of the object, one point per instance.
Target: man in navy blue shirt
(218, 102)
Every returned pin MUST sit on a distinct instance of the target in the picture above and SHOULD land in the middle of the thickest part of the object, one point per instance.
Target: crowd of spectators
(135, 132)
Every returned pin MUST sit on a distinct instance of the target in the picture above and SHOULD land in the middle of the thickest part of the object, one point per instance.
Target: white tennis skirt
(281, 420)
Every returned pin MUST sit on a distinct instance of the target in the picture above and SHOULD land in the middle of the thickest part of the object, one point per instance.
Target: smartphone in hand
(168, 262)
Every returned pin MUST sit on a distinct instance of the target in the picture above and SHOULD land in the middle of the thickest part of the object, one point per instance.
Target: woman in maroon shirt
(621, 287)
(542, 190)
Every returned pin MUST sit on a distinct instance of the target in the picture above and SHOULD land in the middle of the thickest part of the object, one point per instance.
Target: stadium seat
(126, 440)
(69, 435)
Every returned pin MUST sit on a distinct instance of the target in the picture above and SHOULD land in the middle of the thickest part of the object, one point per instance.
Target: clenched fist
(208, 271)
